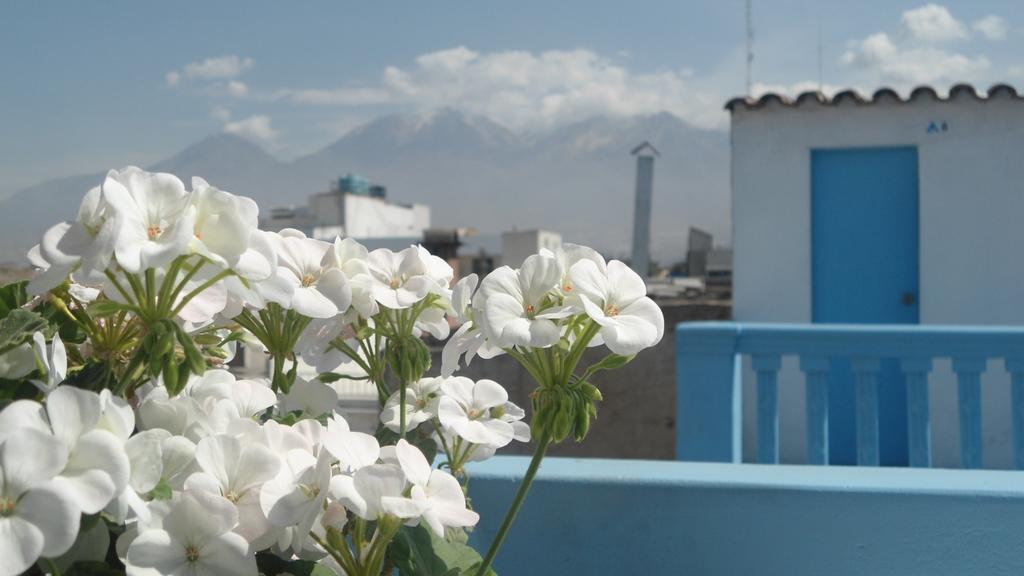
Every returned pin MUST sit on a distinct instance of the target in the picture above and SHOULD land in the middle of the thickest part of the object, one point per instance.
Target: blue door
(864, 262)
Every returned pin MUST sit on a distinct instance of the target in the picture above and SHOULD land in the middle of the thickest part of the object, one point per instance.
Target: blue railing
(710, 372)
(597, 517)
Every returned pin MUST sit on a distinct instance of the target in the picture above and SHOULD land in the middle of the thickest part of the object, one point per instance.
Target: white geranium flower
(445, 503)
(86, 244)
(352, 258)
(37, 518)
(54, 360)
(154, 220)
(354, 450)
(376, 491)
(314, 345)
(568, 255)
(195, 539)
(617, 300)
(465, 408)
(419, 405)
(236, 469)
(224, 225)
(397, 280)
(318, 291)
(513, 306)
(296, 495)
(97, 468)
(311, 397)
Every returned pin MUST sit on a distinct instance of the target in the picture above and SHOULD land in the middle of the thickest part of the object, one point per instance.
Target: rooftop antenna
(821, 75)
(750, 47)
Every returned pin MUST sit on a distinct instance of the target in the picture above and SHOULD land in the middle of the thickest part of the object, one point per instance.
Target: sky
(85, 86)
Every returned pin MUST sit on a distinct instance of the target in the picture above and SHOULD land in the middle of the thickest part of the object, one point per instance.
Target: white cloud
(992, 27)
(237, 89)
(795, 89)
(914, 59)
(221, 67)
(933, 23)
(527, 89)
(256, 128)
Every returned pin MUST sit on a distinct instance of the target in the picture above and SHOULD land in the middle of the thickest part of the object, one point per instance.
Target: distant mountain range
(576, 179)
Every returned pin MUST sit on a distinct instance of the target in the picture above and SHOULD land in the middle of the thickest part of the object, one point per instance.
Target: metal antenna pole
(750, 47)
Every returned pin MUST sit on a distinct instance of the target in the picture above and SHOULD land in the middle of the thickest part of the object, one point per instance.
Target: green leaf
(417, 551)
(13, 296)
(105, 308)
(17, 327)
(92, 568)
(272, 565)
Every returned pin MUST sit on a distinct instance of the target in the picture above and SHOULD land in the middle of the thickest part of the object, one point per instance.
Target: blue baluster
(816, 378)
(968, 372)
(1015, 366)
(919, 436)
(865, 372)
(709, 399)
(767, 368)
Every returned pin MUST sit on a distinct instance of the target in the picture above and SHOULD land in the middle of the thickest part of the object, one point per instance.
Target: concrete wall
(366, 217)
(517, 246)
(638, 416)
(599, 517)
(971, 199)
(972, 196)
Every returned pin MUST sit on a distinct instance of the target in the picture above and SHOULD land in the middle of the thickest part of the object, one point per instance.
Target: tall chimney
(645, 154)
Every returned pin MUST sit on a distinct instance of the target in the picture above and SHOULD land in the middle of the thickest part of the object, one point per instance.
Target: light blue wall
(622, 517)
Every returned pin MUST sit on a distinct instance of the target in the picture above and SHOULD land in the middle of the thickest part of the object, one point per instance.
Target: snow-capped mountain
(576, 179)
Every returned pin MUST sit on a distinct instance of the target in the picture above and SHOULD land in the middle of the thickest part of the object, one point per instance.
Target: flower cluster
(123, 429)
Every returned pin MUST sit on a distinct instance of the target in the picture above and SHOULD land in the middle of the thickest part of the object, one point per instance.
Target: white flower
(398, 280)
(314, 345)
(236, 469)
(224, 225)
(465, 408)
(445, 503)
(419, 405)
(351, 257)
(86, 244)
(37, 518)
(97, 468)
(311, 397)
(617, 300)
(296, 495)
(354, 450)
(54, 361)
(318, 291)
(154, 223)
(195, 539)
(376, 491)
(513, 306)
(568, 255)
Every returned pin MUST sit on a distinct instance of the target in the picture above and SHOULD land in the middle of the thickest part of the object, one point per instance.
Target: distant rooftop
(957, 92)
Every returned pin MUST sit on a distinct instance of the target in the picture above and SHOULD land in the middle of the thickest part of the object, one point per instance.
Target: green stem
(401, 408)
(506, 524)
(54, 570)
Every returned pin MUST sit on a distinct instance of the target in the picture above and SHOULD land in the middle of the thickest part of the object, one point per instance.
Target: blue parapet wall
(625, 517)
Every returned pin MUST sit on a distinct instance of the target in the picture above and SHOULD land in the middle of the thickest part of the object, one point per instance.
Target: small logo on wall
(937, 127)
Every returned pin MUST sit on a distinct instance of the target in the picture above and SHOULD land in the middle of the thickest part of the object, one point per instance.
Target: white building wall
(971, 206)
(518, 245)
(366, 217)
